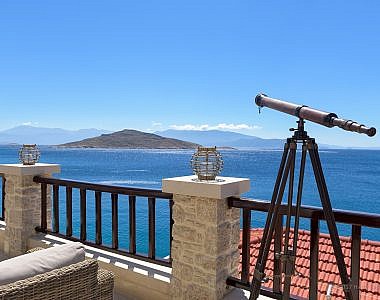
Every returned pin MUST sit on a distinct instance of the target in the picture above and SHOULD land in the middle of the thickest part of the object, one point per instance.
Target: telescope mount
(288, 254)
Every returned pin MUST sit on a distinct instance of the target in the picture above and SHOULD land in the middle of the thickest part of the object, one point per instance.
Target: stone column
(23, 204)
(206, 235)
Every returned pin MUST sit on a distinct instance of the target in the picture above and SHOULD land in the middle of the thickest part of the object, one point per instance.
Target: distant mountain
(223, 139)
(131, 139)
(45, 136)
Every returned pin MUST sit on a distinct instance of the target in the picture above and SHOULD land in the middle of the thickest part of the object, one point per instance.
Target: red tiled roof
(328, 270)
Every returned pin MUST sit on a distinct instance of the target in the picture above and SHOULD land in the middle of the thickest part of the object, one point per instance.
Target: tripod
(288, 255)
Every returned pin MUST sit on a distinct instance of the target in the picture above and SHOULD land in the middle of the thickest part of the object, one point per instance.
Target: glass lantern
(207, 163)
(29, 154)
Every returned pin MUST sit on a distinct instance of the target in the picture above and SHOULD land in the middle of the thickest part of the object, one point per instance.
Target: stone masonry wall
(205, 247)
(22, 212)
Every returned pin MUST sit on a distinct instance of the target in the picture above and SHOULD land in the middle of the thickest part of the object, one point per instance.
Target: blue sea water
(353, 179)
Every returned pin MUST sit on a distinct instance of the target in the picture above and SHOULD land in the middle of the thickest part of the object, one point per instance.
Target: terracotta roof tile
(328, 270)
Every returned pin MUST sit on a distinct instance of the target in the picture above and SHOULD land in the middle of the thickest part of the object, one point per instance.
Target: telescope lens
(258, 100)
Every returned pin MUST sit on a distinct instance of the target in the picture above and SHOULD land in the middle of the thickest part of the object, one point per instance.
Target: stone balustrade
(23, 204)
(206, 236)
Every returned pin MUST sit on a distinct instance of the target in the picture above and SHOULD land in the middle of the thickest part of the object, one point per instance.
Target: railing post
(245, 247)
(278, 237)
(23, 204)
(314, 258)
(206, 235)
(355, 260)
(2, 195)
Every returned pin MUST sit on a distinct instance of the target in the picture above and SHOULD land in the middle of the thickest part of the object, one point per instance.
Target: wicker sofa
(82, 280)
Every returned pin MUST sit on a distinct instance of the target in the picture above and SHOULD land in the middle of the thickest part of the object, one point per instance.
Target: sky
(156, 65)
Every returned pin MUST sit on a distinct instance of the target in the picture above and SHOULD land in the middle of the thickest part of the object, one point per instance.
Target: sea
(352, 176)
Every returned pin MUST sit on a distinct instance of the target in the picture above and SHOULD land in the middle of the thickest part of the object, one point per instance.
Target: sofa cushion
(31, 264)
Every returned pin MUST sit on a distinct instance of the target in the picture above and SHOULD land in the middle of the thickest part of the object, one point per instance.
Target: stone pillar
(206, 235)
(23, 204)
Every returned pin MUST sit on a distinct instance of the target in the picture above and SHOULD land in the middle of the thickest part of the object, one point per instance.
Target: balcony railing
(315, 214)
(98, 190)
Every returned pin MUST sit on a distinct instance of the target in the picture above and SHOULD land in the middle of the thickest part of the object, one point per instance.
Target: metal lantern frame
(207, 163)
(29, 154)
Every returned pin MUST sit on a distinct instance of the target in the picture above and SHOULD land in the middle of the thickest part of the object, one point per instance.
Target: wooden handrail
(85, 188)
(104, 188)
(315, 214)
(341, 216)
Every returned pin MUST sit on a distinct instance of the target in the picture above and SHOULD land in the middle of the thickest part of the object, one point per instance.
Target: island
(131, 139)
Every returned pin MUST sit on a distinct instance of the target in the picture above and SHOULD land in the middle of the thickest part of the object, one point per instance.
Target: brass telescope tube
(313, 115)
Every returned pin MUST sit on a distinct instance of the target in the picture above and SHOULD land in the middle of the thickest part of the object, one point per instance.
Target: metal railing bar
(355, 260)
(245, 250)
(341, 216)
(314, 252)
(152, 227)
(44, 206)
(278, 237)
(132, 224)
(56, 208)
(171, 203)
(104, 188)
(98, 217)
(115, 221)
(83, 232)
(69, 211)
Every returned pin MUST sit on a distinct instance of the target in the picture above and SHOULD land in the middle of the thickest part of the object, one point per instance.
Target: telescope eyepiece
(371, 131)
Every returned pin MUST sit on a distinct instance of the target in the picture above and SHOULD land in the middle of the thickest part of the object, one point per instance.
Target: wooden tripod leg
(299, 196)
(269, 229)
(329, 216)
(291, 255)
(274, 196)
(256, 284)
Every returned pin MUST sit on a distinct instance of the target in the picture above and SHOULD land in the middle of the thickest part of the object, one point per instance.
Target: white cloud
(221, 126)
(225, 126)
(189, 127)
(29, 123)
(156, 124)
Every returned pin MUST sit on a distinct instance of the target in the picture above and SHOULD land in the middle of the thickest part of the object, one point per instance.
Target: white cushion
(38, 262)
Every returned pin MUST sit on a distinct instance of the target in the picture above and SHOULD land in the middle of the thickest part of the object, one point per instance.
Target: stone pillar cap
(37, 169)
(222, 187)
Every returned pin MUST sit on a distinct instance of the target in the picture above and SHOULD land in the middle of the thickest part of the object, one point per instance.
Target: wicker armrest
(105, 284)
(82, 280)
(77, 281)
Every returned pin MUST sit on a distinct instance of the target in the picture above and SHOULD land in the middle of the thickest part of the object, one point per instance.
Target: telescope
(287, 251)
(313, 115)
